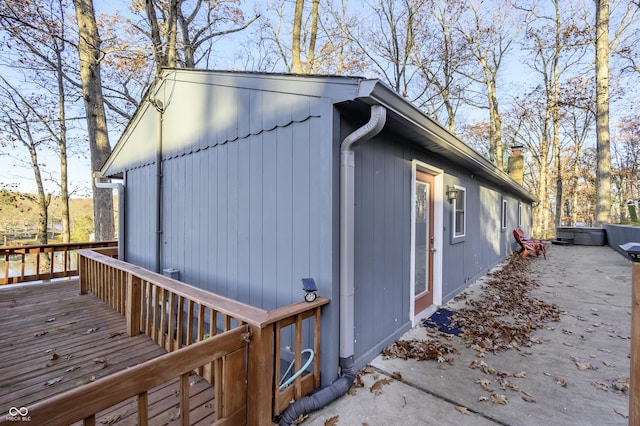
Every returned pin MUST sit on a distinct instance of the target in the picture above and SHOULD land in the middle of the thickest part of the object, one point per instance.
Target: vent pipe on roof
(347, 248)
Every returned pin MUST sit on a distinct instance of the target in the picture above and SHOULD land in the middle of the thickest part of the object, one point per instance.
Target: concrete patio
(576, 375)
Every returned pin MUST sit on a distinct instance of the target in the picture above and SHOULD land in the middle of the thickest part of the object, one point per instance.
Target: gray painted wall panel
(254, 240)
(140, 217)
(382, 231)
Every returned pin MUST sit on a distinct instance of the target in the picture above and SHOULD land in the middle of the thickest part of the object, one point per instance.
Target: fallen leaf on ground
(74, 368)
(485, 384)
(528, 397)
(300, 419)
(463, 410)
(620, 385)
(54, 356)
(40, 333)
(357, 381)
(421, 350)
(53, 381)
(396, 375)
(109, 420)
(582, 364)
(102, 361)
(601, 386)
(520, 374)
(368, 370)
(377, 386)
(561, 381)
(331, 421)
(622, 413)
(497, 398)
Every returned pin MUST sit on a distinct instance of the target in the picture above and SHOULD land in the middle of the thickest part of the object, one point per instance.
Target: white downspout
(97, 178)
(347, 209)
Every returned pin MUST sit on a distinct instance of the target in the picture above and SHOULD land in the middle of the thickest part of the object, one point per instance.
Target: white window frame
(503, 217)
(454, 215)
(519, 215)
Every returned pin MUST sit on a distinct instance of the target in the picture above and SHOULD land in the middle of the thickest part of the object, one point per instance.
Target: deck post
(260, 376)
(82, 274)
(134, 308)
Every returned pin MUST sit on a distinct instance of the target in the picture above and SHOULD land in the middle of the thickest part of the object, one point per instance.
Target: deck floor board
(52, 340)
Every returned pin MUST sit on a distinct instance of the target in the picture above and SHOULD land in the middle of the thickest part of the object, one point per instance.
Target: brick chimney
(516, 164)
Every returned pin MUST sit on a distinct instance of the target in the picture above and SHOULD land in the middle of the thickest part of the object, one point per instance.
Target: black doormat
(441, 320)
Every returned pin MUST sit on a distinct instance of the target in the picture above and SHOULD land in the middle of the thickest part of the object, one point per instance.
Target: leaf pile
(505, 315)
(420, 350)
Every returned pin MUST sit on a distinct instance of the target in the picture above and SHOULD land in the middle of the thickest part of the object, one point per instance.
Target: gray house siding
(140, 213)
(382, 250)
(239, 220)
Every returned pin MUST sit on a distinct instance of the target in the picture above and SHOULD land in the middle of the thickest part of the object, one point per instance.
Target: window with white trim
(459, 209)
(519, 215)
(504, 214)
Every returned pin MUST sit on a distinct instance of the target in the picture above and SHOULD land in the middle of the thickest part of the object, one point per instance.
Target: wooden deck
(53, 340)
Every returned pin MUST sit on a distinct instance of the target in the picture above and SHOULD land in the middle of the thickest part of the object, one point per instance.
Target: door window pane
(421, 236)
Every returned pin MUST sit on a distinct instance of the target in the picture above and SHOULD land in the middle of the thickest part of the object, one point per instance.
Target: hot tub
(582, 236)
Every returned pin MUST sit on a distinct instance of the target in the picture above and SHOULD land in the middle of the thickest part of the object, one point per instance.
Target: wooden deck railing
(83, 403)
(42, 262)
(176, 316)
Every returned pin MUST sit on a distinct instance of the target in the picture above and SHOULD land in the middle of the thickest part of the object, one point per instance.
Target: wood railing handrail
(44, 261)
(241, 311)
(85, 401)
(69, 246)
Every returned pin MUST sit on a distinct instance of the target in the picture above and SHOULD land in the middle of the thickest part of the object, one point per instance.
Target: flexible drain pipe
(97, 179)
(340, 386)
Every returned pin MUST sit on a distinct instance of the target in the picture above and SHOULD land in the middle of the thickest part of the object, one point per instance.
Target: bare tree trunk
(90, 56)
(172, 24)
(62, 148)
(311, 54)
(43, 199)
(603, 174)
(62, 140)
(554, 105)
(155, 35)
(295, 44)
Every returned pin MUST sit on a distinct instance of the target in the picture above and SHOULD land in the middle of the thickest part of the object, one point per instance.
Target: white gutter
(97, 179)
(347, 208)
